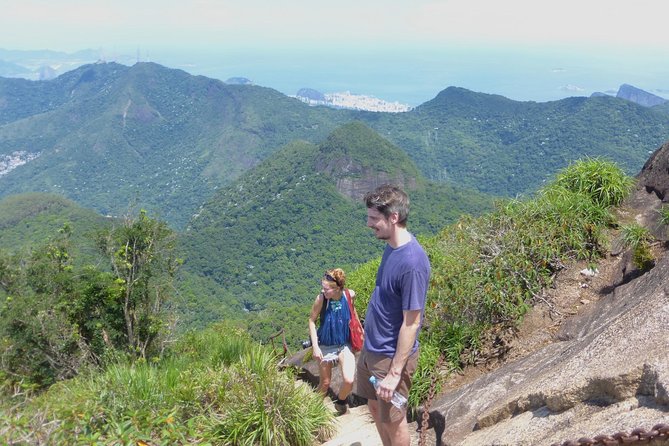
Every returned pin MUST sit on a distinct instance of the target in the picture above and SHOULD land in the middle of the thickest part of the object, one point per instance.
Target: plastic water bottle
(398, 400)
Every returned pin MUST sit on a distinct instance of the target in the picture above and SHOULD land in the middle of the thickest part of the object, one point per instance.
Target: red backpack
(354, 325)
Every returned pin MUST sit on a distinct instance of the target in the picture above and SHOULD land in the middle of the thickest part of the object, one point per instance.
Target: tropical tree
(57, 319)
(39, 342)
(142, 259)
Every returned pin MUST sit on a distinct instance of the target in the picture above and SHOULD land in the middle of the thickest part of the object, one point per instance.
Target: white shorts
(331, 352)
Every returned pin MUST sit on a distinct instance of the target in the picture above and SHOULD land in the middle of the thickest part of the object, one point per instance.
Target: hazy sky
(70, 25)
(406, 50)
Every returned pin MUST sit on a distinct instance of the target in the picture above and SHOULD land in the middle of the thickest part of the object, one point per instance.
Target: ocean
(413, 76)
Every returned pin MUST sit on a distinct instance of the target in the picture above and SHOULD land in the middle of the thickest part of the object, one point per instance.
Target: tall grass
(263, 403)
(599, 179)
(217, 387)
(664, 215)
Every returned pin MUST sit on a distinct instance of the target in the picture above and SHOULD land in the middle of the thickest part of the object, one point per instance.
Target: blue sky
(74, 24)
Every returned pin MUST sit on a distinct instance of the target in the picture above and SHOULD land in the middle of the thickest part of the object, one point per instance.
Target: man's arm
(405, 342)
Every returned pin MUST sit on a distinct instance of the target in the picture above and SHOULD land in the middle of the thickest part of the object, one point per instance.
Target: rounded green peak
(362, 149)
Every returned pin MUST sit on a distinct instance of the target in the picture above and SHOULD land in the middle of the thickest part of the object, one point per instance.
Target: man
(394, 314)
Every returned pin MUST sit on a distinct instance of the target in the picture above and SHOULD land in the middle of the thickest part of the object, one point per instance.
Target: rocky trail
(356, 428)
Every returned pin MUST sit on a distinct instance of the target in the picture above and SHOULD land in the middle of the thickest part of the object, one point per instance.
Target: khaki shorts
(374, 364)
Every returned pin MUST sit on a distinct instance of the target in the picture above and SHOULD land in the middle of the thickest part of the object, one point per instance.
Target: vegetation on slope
(58, 317)
(109, 134)
(487, 271)
(28, 220)
(218, 386)
(213, 387)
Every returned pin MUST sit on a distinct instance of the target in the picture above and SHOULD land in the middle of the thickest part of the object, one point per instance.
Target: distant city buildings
(356, 102)
(14, 160)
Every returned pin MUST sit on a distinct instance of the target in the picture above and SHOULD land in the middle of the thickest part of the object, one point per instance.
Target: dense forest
(266, 240)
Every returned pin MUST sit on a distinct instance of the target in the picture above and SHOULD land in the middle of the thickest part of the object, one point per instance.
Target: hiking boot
(341, 408)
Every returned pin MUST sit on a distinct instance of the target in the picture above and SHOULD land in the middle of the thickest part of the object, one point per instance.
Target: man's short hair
(387, 199)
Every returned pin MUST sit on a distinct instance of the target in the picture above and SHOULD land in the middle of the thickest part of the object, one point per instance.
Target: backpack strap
(349, 299)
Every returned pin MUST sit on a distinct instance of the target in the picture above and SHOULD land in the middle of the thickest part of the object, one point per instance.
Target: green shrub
(488, 271)
(363, 280)
(270, 408)
(638, 239)
(603, 181)
(206, 345)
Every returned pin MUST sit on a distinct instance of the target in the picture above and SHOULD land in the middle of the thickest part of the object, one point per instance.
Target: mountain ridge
(31, 219)
(192, 130)
(107, 132)
(639, 96)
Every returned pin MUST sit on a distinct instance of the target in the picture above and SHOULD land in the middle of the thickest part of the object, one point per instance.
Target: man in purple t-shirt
(394, 314)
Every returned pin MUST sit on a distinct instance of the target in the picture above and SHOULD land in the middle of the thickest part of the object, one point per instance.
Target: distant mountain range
(106, 135)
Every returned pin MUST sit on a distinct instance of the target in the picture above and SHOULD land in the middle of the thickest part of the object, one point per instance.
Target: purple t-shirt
(401, 284)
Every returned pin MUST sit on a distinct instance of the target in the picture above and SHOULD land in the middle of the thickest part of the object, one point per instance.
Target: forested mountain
(106, 135)
(29, 220)
(506, 147)
(265, 240)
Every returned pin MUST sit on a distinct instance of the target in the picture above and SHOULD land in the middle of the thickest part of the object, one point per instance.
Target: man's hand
(387, 387)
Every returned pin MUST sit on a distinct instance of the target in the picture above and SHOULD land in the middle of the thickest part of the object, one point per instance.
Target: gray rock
(610, 374)
(639, 96)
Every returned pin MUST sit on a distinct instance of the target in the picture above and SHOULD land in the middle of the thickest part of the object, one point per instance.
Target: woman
(331, 343)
